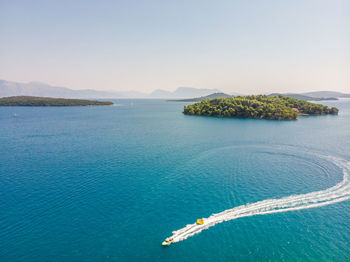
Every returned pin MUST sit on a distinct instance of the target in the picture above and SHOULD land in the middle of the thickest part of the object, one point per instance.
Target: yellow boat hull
(167, 243)
(200, 221)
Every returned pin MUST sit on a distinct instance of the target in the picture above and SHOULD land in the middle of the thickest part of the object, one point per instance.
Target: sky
(246, 46)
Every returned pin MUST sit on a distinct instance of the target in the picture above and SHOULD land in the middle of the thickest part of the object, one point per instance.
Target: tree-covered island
(49, 101)
(258, 106)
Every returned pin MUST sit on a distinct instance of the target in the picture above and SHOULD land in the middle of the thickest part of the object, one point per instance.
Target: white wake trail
(338, 193)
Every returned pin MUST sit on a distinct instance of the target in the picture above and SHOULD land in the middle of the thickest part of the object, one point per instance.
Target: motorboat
(167, 242)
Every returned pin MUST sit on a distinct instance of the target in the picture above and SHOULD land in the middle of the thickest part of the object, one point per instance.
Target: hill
(196, 99)
(8, 88)
(322, 94)
(260, 106)
(303, 97)
(182, 92)
(48, 101)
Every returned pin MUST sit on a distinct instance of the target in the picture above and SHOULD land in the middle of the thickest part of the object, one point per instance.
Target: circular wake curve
(339, 192)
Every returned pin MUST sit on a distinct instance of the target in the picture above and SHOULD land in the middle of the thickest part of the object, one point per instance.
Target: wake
(338, 193)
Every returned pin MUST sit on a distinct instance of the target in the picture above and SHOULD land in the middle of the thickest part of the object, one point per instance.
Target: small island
(258, 107)
(49, 101)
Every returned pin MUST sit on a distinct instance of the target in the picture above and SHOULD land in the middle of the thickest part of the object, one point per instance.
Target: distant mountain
(223, 95)
(236, 94)
(191, 92)
(159, 93)
(197, 99)
(322, 94)
(303, 97)
(182, 92)
(8, 88)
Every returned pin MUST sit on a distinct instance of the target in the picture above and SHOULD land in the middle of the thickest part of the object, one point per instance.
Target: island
(49, 101)
(258, 107)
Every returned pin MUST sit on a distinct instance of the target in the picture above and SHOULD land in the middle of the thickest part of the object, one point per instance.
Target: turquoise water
(111, 183)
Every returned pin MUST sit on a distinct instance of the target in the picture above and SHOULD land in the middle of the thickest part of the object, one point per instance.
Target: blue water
(111, 183)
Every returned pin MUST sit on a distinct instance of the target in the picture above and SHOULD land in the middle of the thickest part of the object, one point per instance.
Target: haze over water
(111, 183)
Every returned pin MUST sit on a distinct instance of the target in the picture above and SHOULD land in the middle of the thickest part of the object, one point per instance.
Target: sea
(111, 183)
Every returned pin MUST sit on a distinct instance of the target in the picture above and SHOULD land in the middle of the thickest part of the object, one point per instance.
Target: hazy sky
(242, 46)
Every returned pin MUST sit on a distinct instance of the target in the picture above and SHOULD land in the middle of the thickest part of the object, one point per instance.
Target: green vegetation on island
(258, 106)
(48, 101)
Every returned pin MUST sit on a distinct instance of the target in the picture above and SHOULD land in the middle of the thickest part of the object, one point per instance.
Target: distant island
(197, 99)
(304, 97)
(48, 101)
(258, 107)
(223, 95)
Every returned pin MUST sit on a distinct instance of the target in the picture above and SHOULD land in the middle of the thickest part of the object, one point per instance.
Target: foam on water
(339, 192)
